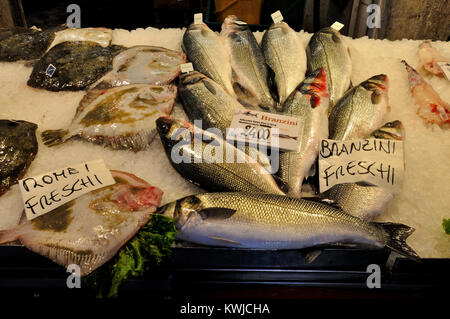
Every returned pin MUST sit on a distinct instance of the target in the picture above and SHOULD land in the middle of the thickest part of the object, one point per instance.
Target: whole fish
(250, 73)
(209, 164)
(361, 110)
(309, 103)
(18, 148)
(327, 49)
(72, 66)
(362, 200)
(143, 65)
(121, 118)
(89, 230)
(208, 54)
(267, 221)
(432, 109)
(429, 58)
(285, 54)
(203, 99)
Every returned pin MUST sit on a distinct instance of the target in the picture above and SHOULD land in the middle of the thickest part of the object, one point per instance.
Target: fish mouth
(191, 78)
(380, 81)
(391, 130)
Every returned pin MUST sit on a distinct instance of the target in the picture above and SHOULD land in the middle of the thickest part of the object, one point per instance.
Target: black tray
(238, 273)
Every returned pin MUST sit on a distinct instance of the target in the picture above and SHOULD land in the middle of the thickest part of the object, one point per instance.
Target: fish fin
(8, 235)
(54, 137)
(310, 256)
(222, 240)
(396, 235)
(216, 213)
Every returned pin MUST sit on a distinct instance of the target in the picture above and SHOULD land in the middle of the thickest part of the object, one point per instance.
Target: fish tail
(396, 235)
(54, 137)
(8, 235)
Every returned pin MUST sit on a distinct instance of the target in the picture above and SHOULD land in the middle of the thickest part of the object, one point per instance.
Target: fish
(285, 54)
(72, 66)
(24, 44)
(362, 200)
(89, 230)
(120, 118)
(361, 110)
(209, 165)
(327, 49)
(432, 109)
(208, 54)
(101, 36)
(204, 99)
(274, 222)
(309, 103)
(18, 148)
(429, 58)
(143, 65)
(250, 73)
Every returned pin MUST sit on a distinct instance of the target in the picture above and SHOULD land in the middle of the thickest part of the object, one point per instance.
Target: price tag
(43, 193)
(198, 18)
(375, 161)
(278, 131)
(277, 16)
(186, 67)
(337, 26)
(50, 70)
(445, 67)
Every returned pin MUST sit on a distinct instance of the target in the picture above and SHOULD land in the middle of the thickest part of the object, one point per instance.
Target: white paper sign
(269, 129)
(375, 161)
(43, 193)
(277, 16)
(198, 18)
(337, 26)
(186, 67)
(445, 67)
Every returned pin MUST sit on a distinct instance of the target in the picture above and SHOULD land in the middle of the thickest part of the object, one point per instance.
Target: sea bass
(250, 71)
(361, 110)
(143, 65)
(362, 200)
(267, 221)
(18, 148)
(208, 54)
(89, 230)
(432, 109)
(309, 103)
(327, 49)
(121, 118)
(209, 164)
(285, 54)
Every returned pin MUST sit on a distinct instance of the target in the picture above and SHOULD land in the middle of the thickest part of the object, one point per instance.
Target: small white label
(186, 67)
(375, 161)
(445, 67)
(198, 18)
(337, 26)
(277, 16)
(278, 131)
(50, 70)
(43, 193)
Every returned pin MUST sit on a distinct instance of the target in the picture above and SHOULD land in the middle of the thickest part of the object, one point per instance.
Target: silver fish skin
(250, 72)
(267, 221)
(89, 230)
(327, 49)
(204, 99)
(208, 163)
(206, 51)
(309, 103)
(361, 110)
(121, 117)
(362, 200)
(285, 55)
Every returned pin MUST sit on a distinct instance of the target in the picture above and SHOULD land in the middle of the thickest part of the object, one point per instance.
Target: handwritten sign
(43, 193)
(337, 26)
(186, 67)
(264, 128)
(375, 161)
(277, 16)
(198, 18)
